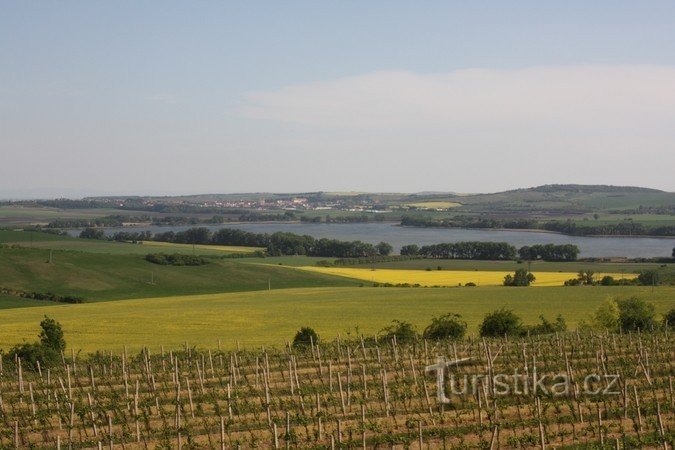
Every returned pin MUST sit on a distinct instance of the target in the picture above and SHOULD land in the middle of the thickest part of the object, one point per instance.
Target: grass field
(445, 277)
(97, 276)
(199, 248)
(51, 241)
(272, 317)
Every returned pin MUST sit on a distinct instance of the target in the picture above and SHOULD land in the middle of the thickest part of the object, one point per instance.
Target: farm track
(352, 394)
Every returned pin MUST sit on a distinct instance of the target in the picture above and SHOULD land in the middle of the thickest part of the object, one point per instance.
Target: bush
(500, 323)
(547, 327)
(669, 319)
(606, 317)
(447, 326)
(175, 259)
(648, 277)
(608, 280)
(520, 278)
(636, 314)
(404, 332)
(48, 350)
(92, 233)
(305, 337)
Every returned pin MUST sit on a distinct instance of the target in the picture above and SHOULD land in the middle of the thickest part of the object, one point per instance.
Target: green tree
(447, 326)
(649, 277)
(384, 249)
(586, 277)
(520, 278)
(404, 332)
(606, 317)
(411, 250)
(51, 335)
(669, 319)
(500, 323)
(305, 337)
(636, 314)
(47, 350)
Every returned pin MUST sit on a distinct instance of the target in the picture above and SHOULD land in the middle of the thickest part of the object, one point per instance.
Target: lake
(632, 247)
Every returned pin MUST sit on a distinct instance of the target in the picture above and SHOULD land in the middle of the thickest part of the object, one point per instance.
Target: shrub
(305, 337)
(175, 259)
(520, 278)
(547, 327)
(648, 277)
(404, 332)
(669, 319)
(48, 350)
(499, 323)
(92, 233)
(606, 317)
(608, 280)
(447, 326)
(636, 314)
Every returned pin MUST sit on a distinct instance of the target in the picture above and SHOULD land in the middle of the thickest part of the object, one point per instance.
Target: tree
(414, 250)
(669, 319)
(404, 332)
(649, 277)
(92, 233)
(384, 249)
(305, 337)
(47, 350)
(447, 326)
(499, 323)
(606, 317)
(548, 327)
(586, 277)
(636, 314)
(520, 278)
(51, 335)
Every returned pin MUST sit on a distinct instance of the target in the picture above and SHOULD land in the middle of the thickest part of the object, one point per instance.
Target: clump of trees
(520, 278)
(175, 259)
(549, 252)
(629, 314)
(46, 351)
(468, 250)
(48, 296)
(504, 322)
(92, 233)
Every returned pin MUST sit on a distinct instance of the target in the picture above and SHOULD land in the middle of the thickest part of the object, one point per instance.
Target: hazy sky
(143, 97)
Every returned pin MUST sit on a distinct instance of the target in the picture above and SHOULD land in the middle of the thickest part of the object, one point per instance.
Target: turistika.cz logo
(516, 383)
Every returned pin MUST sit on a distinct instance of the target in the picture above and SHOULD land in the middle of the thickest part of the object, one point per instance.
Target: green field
(272, 317)
(97, 276)
(55, 242)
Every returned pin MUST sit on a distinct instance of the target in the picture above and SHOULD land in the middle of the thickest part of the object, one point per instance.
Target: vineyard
(357, 393)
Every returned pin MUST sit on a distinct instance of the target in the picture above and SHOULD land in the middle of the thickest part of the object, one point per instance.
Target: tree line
(628, 228)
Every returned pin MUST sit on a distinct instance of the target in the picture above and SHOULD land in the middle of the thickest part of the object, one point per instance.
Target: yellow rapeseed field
(445, 277)
(225, 248)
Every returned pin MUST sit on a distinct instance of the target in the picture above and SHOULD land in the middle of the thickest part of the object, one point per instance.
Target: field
(446, 278)
(98, 276)
(198, 248)
(532, 393)
(49, 241)
(435, 205)
(272, 317)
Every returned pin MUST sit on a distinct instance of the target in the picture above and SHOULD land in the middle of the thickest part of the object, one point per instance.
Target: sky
(166, 98)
